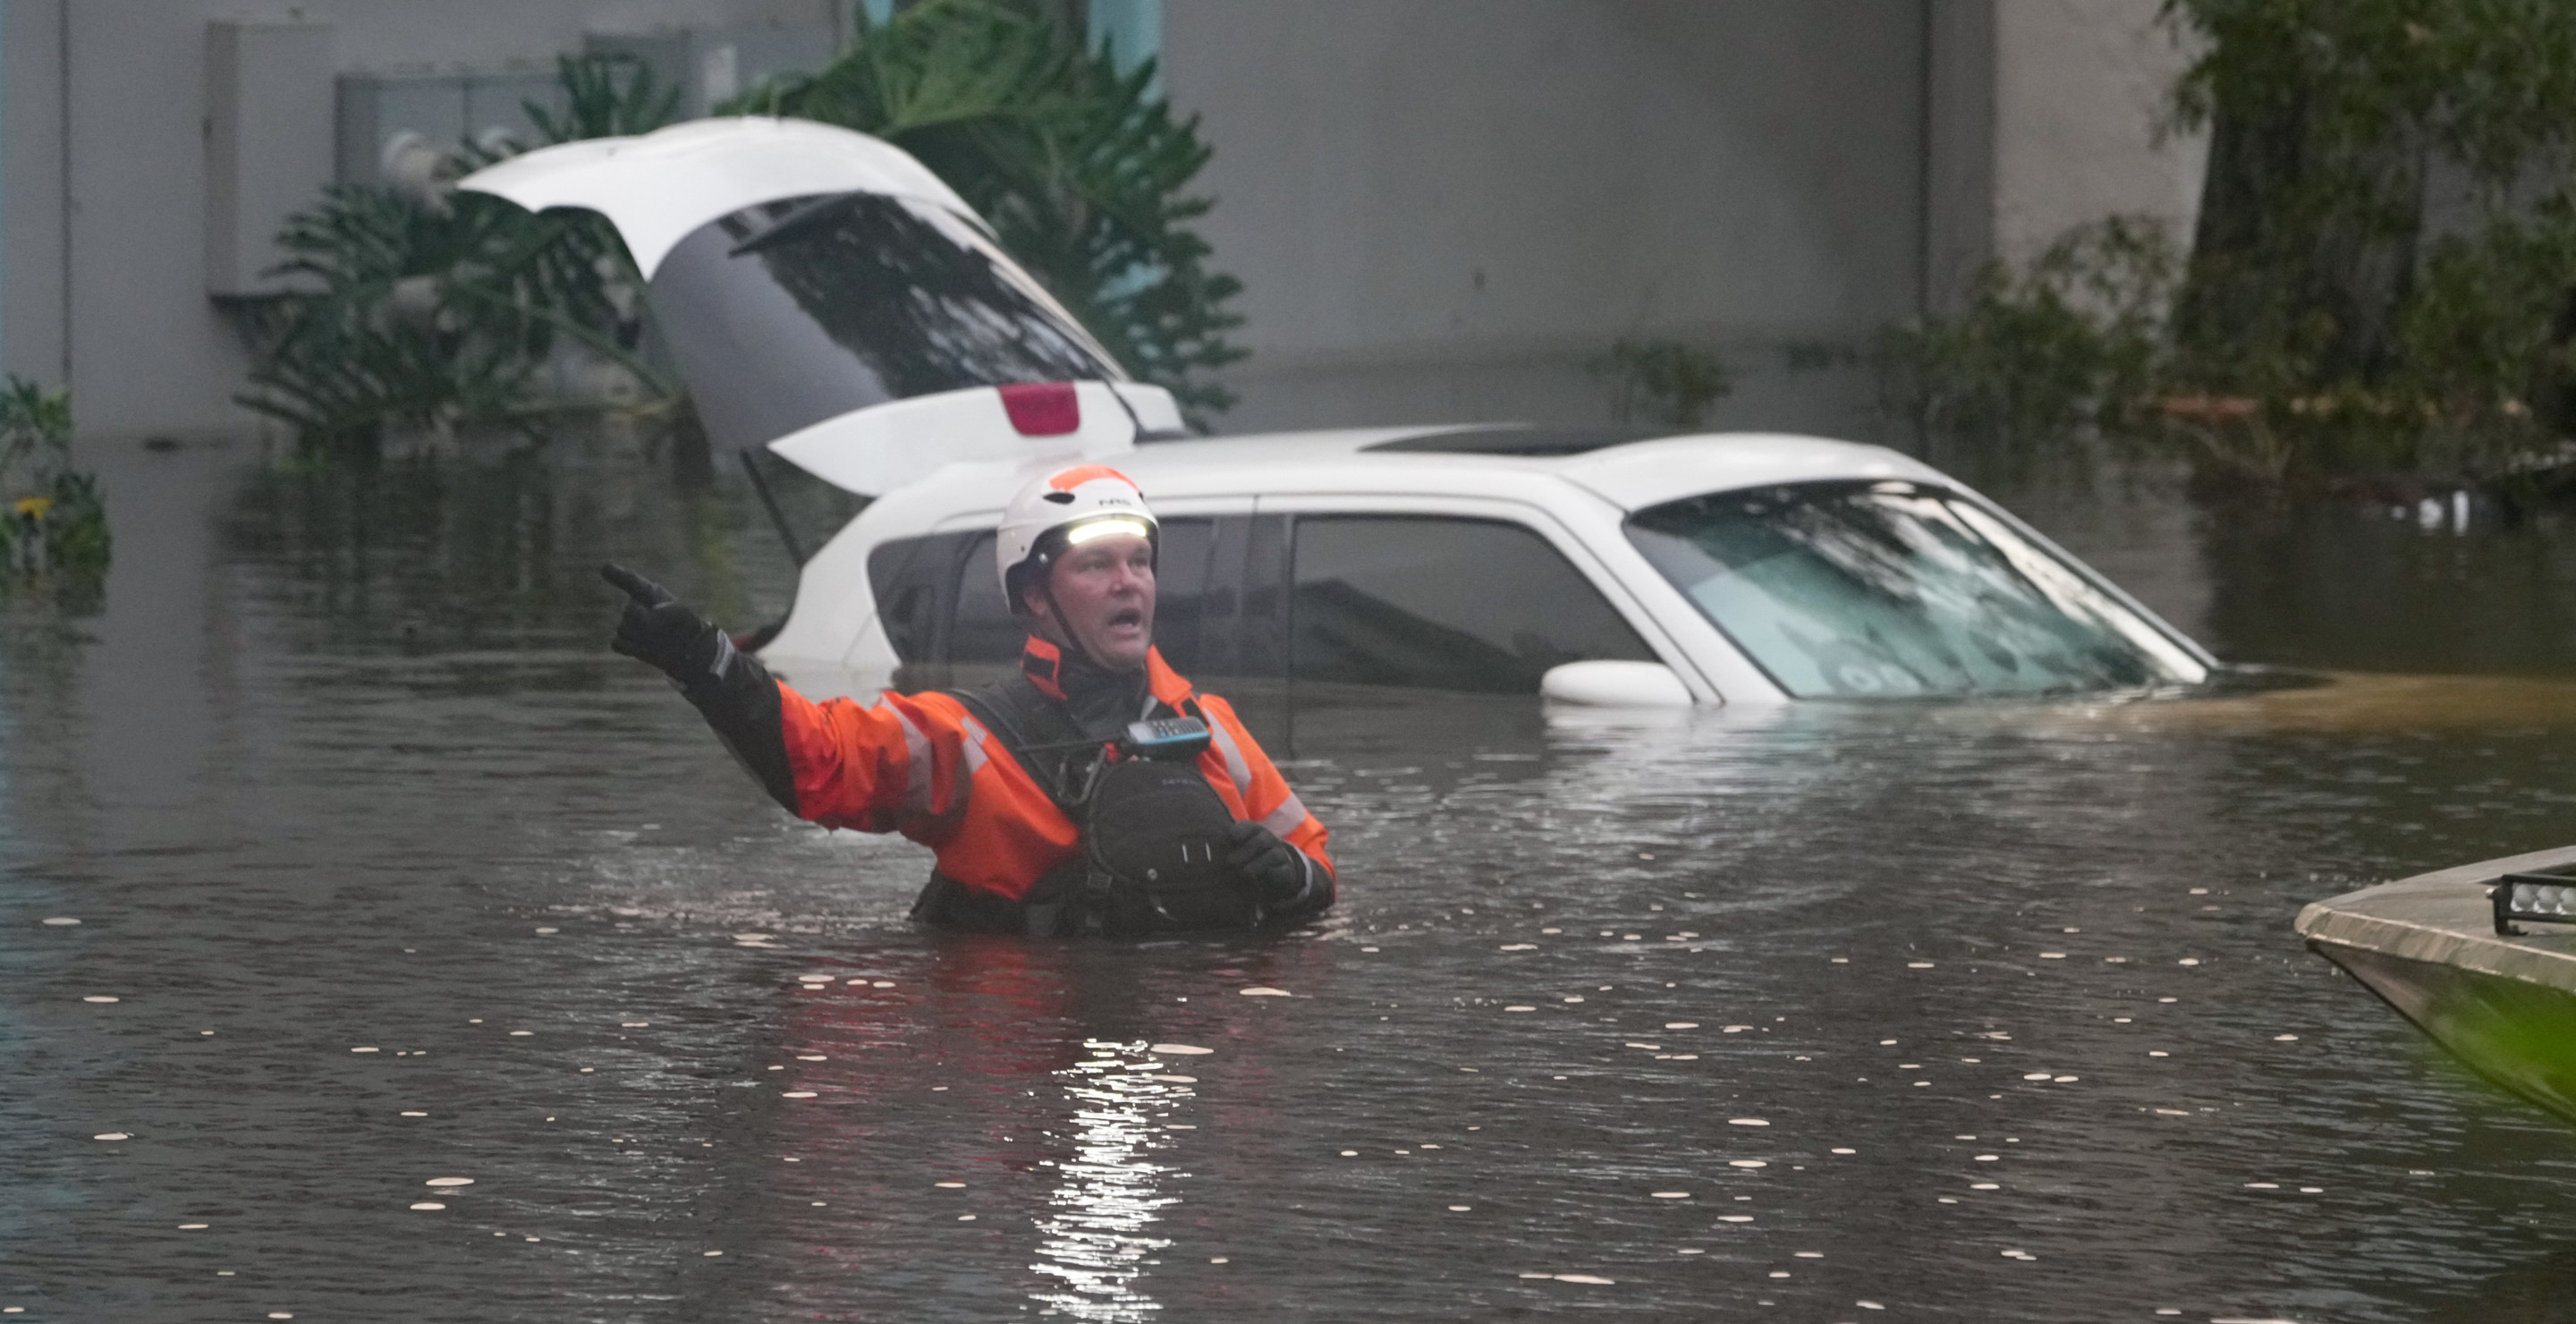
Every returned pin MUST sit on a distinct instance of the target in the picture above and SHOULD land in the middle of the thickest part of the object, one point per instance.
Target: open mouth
(1127, 618)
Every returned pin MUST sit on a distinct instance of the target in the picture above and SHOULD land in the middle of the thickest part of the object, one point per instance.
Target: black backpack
(1154, 833)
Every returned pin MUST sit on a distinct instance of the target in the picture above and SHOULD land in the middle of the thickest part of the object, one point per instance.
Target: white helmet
(1062, 509)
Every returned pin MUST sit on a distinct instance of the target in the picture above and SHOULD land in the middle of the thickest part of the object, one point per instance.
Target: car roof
(1480, 460)
(1629, 471)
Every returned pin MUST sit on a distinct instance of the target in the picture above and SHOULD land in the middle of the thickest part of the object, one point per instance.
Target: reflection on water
(2009, 989)
(1093, 1238)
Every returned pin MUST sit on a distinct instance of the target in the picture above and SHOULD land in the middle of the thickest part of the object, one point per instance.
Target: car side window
(984, 629)
(911, 578)
(1458, 604)
(1181, 567)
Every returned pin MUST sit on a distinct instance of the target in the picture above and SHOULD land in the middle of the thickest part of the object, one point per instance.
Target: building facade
(1440, 209)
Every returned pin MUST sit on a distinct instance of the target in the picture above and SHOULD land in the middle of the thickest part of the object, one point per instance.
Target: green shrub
(2073, 342)
(1081, 169)
(455, 308)
(51, 514)
(1663, 382)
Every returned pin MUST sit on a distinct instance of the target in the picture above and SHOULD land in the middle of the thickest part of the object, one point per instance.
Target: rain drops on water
(1179, 1050)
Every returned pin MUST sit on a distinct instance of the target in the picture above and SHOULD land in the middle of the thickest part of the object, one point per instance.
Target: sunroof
(1524, 441)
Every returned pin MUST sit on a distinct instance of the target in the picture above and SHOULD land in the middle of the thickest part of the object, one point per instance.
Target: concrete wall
(2081, 94)
(2046, 115)
(1441, 208)
(120, 310)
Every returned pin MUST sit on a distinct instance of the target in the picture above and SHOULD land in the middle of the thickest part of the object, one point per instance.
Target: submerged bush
(2073, 341)
(52, 517)
(438, 308)
(1663, 382)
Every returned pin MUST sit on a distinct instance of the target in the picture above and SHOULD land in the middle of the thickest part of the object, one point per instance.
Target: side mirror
(1615, 685)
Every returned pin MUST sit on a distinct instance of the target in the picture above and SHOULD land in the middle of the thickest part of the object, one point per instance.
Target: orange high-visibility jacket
(921, 765)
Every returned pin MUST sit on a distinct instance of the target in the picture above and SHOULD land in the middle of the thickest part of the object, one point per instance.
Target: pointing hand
(655, 628)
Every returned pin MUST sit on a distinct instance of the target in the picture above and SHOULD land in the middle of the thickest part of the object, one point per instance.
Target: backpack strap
(1037, 733)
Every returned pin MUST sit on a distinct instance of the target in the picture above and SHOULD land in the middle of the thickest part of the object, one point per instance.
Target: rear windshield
(1895, 590)
(791, 312)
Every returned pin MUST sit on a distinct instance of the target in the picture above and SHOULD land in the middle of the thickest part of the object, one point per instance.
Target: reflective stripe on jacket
(921, 765)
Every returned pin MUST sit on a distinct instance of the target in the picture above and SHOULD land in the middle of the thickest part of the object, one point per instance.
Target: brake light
(1042, 409)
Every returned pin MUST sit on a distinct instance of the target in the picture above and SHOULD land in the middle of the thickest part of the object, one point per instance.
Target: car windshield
(791, 312)
(1884, 589)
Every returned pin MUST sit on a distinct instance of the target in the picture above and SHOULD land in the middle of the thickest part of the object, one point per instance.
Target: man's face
(1105, 589)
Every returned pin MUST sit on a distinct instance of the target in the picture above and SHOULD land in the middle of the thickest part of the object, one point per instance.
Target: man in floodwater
(1077, 797)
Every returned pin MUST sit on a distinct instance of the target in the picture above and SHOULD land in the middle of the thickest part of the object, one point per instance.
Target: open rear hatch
(828, 299)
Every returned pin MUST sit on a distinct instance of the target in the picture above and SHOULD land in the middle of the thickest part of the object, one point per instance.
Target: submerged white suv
(835, 305)
(1737, 567)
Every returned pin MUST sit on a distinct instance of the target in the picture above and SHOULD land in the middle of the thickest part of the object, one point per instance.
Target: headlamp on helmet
(1063, 510)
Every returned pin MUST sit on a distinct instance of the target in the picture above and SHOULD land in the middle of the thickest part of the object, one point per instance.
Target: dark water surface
(1835, 1014)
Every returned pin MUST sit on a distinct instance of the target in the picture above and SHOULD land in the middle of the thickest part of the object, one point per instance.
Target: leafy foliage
(454, 307)
(2074, 341)
(1663, 382)
(2326, 119)
(2320, 328)
(51, 513)
(1081, 169)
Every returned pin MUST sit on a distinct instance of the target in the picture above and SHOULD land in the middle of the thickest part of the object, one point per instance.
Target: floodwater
(396, 876)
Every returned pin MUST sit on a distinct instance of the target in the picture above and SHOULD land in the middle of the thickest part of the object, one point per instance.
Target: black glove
(655, 628)
(1275, 869)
